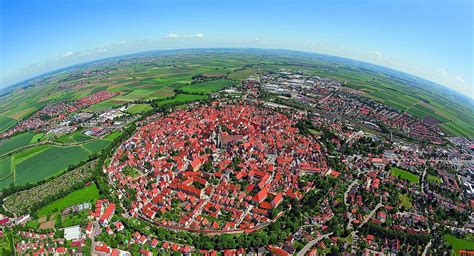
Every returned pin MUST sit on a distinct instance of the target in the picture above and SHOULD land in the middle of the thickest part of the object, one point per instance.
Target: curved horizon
(431, 40)
(92, 61)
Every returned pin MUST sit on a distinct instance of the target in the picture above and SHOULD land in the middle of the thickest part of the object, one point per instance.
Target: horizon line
(65, 67)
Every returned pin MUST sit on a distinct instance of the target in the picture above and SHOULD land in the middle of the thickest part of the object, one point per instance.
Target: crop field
(208, 87)
(6, 122)
(138, 108)
(397, 172)
(76, 136)
(459, 244)
(156, 77)
(16, 142)
(182, 98)
(95, 146)
(113, 135)
(84, 195)
(40, 162)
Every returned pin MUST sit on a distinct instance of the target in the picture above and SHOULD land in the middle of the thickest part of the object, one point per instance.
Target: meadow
(399, 173)
(87, 194)
(459, 244)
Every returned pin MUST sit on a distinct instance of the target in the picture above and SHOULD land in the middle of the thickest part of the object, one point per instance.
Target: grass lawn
(405, 201)
(15, 142)
(434, 179)
(6, 245)
(208, 87)
(86, 194)
(138, 108)
(397, 172)
(459, 244)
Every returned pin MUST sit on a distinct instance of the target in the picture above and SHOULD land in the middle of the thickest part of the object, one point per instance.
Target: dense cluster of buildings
(56, 112)
(222, 168)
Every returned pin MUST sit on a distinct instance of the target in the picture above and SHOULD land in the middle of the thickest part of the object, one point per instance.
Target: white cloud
(460, 79)
(309, 42)
(378, 54)
(176, 36)
(67, 54)
(172, 36)
(442, 71)
(101, 50)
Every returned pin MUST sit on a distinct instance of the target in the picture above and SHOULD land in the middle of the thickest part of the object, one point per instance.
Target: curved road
(312, 243)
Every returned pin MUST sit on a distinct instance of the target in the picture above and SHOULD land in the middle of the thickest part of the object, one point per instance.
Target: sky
(432, 39)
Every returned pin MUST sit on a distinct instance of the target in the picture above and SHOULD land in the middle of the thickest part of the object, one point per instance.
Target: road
(312, 243)
(95, 228)
(349, 224)
(425, 251)
(367, 218)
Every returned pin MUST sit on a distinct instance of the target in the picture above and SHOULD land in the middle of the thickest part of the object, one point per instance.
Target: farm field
(40, 162)
(208, 87)
(83, 195)
(138, 108)
(6, 123)
(459, 244)
(74, 137)
(113, 135)
(15, 142)
(397, 172)
(182, 98)
(95, 146)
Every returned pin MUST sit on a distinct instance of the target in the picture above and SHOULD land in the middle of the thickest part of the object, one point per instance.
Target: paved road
(367, 218)
(95, 228)
(312, 243)
(425, 252)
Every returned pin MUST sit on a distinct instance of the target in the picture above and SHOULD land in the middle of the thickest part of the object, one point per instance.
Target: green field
(112, 136)
(40, 162)
(182, 98)
(6, 245)
(397, 172)
(86, 194)
(15, 142)
(208, 87)
(6, 123)
(459, 244)
(156, 77)
(138, 108)
(76, 136)
(405, 201)
(434, 179)
(95, 146)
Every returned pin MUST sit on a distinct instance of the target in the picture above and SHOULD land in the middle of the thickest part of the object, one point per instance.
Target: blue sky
(431, 39)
